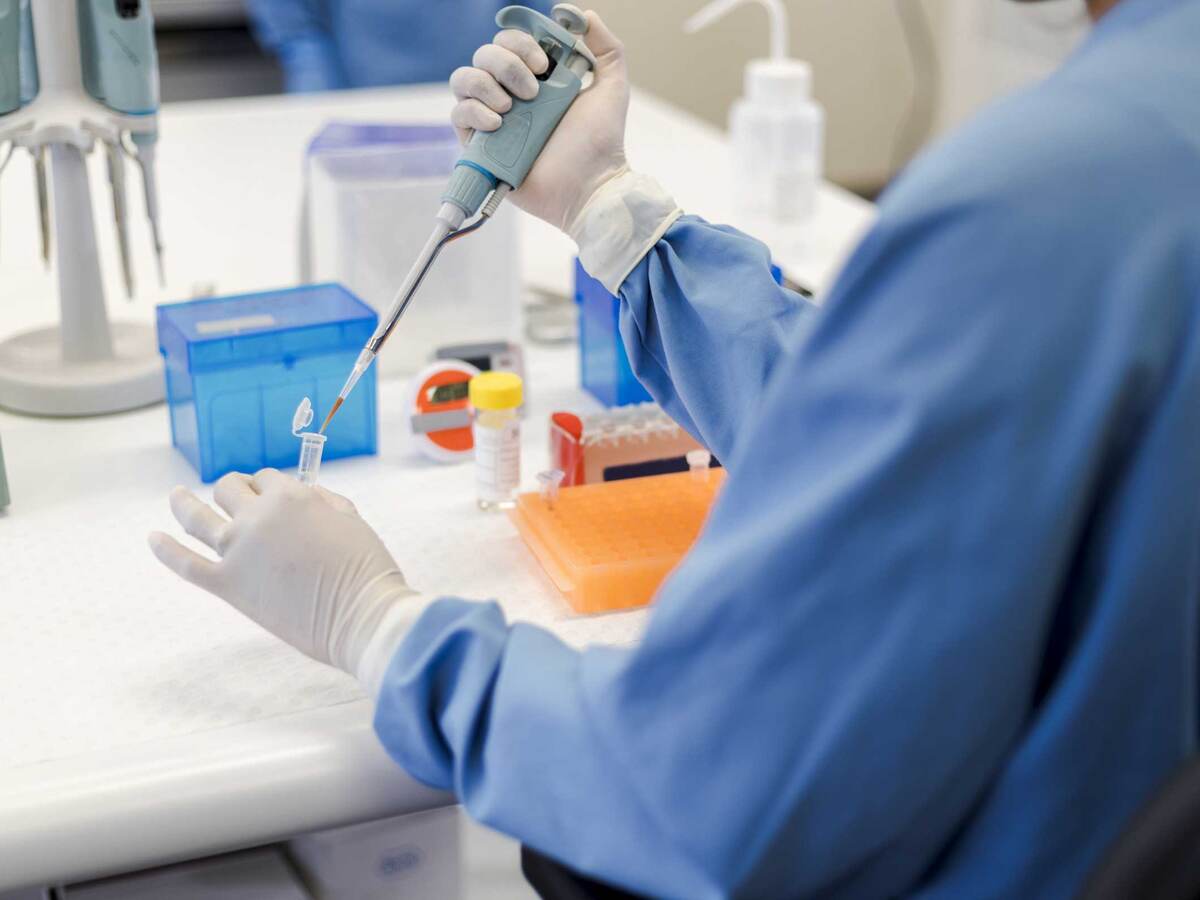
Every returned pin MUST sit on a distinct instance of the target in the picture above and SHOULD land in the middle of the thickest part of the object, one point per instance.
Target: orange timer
(439, 414)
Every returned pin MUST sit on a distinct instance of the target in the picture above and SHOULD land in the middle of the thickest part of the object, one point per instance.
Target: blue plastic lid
(352, 135)
(357, 152)
(266, 327)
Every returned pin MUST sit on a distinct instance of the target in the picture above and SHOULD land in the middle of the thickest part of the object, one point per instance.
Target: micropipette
(5, 157)
(120, 70)
(145, 143)
(115, 158)
(496, 162)
(43, 199)
(10, 56)
(10, 66)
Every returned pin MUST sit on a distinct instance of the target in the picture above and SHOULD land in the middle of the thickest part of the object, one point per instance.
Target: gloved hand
(581, 183)
(299, 561)
(586, 150)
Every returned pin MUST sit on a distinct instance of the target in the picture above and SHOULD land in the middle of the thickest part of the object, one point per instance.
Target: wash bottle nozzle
(777, 130)
(718, 9)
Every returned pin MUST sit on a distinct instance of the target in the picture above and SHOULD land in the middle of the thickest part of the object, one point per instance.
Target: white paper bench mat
(101, 647)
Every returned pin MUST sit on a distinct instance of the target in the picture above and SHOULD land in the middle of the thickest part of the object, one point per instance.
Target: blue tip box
(237, 368)
(604, 365)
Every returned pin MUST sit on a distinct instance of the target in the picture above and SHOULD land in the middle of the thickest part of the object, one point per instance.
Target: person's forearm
(499, 714)
(702, 317)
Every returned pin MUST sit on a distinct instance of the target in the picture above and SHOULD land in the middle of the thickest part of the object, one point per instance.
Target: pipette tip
(329, 418)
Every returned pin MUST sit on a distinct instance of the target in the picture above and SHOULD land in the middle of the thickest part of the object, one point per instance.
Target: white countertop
(145, 722)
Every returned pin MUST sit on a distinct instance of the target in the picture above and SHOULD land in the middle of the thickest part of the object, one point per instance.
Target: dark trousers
(554, 881)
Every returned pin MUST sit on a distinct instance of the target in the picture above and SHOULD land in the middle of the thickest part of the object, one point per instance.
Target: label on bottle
(497, 461)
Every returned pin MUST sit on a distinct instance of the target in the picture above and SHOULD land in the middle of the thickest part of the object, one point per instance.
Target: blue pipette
(120, 70)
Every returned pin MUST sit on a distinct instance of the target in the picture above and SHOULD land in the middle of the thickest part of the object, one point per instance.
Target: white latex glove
(300, 562)
(581, 184)
(586, 150)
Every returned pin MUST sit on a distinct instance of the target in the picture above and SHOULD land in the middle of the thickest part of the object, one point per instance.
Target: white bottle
(777, 129)
(496, 398)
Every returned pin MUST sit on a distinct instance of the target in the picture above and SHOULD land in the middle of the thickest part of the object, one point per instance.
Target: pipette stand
(86, 365)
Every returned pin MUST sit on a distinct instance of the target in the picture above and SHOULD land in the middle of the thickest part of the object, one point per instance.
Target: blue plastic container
(604, 365)
(438, 145)
(237, 367)
(603, 362)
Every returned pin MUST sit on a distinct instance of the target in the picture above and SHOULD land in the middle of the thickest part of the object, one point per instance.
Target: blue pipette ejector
(494, 163)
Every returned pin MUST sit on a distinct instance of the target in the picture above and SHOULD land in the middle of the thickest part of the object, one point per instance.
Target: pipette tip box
(237, 366)
(604, 365)
(609, 546)
(371, 191)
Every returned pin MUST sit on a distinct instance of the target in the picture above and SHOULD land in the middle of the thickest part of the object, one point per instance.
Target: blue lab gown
(325, 45)
(939, 637)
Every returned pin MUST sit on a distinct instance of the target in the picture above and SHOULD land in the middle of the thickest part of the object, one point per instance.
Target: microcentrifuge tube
(698, 462)
(548, 484)
(312, 444)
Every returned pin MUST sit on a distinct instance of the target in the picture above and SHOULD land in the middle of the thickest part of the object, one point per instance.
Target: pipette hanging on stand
(87, 72)
(120, 70)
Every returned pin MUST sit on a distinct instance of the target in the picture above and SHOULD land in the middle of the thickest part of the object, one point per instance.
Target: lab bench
(145, 722)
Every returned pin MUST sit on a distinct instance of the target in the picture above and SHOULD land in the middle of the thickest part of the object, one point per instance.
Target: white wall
(864, 76)
(862, 72)
(995, 47)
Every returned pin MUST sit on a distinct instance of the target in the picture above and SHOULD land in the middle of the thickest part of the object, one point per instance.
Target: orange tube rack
(609, 546)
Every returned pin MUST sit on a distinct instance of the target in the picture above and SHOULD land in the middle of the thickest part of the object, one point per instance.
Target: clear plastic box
(236, 368)
(372, 193)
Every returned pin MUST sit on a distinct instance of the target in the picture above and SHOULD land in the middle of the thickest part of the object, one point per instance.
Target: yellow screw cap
(497, 390)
